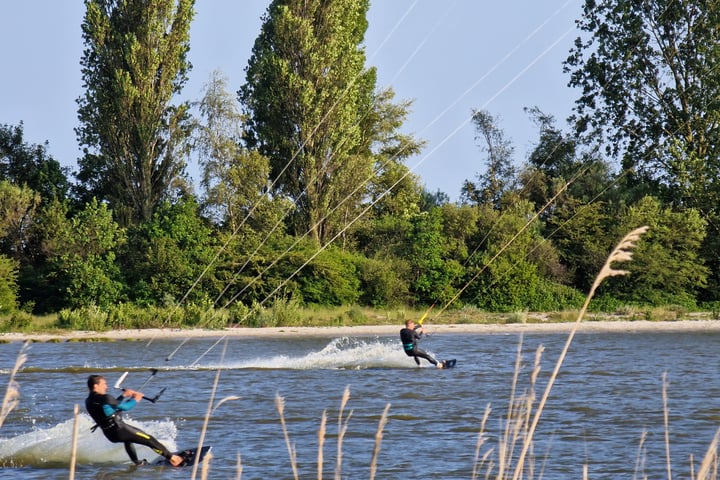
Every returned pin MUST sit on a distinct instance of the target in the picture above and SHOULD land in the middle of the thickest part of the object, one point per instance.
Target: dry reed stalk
(12, 394)
(211, 409)
(280, 405)
(201, 440)
(378, 441)
(504, 447)
(709, 459)
(342, 429)
(478, 464)
(667, 425)
(621, 253)
(73, 451)
(640, 458)
(692, 467)
(206, 466)
(321, 443)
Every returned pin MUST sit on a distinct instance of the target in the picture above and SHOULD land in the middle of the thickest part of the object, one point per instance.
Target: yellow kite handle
(425, 314)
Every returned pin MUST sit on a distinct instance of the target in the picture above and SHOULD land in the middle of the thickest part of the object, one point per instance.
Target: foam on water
(340, 353)
(53, 446)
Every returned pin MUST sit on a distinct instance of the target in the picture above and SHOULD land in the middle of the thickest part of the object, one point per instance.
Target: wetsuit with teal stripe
(409, 338)
(107, 410)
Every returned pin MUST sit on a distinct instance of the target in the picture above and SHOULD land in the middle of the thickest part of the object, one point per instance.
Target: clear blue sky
(449, 56)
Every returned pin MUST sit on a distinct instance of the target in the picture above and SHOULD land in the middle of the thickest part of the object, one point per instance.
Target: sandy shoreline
(369, 330)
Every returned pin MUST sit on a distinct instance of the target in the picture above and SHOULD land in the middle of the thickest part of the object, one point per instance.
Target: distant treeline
(304, 196)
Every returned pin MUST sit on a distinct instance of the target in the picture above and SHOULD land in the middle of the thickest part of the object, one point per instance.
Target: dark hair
(93, 380)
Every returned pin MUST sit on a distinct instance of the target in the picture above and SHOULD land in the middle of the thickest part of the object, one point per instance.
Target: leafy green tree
(433, 273)
(499, 176)
(383, 282)
(235, 179)
(80, 251)
(557, 164)
(134, 62)
(170, 258)
(393, 189)
(582, 234)
(460, 224)
(30, 165)
(507, 269)
(331, 278)
(18, 205)
(8, 284)
(666, 268)
(306, 93)
(647, 73)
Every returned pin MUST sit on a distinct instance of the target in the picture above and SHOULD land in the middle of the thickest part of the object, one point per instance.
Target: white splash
(341, 353)
(52, 446)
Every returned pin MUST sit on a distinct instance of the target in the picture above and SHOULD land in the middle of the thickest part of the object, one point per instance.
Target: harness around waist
(109, 423)
(408, 346)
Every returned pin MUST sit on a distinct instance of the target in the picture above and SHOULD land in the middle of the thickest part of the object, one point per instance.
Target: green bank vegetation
(305, 212)
(512, 458)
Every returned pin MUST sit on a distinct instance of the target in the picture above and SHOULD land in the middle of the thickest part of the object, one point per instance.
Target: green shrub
(8, 284)
(17, 321)
(86, 318)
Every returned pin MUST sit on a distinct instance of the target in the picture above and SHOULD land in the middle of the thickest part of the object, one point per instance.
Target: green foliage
(8, 285)
(167, 255)
(133, 64)
(17, 321)
(309, 101)
(553, 297)
(666, 268)
(432, 274)
(284, 311)
(580, 233)
(330, 279)
(498, 177)
(81, 254)
(89, 318)
(18, 206)
(30, 166)
(382, 282)
(235, 179)
(503, 276)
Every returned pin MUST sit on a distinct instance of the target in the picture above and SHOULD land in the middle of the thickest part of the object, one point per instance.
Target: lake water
(605, 411)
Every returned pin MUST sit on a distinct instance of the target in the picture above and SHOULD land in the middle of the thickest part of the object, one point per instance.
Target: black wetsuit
(409, 338)
(107, 410)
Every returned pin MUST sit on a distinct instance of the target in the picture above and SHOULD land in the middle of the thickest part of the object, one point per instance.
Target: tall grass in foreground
(12, 394)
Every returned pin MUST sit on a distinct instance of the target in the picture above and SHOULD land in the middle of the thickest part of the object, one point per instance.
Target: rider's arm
(124, 406)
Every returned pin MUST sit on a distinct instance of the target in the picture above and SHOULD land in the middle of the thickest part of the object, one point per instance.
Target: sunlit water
(605, 410)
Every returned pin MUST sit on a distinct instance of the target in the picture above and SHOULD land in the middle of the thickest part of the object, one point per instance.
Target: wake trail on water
(52, 447)
(345, 353)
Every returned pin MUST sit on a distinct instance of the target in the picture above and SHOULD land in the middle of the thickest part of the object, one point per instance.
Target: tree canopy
(134, 62)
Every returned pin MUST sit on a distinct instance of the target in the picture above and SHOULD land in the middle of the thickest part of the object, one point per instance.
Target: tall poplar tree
(134, 62)
(307, 91)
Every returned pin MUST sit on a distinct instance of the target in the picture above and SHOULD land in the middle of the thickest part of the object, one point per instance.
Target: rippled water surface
(605, 410)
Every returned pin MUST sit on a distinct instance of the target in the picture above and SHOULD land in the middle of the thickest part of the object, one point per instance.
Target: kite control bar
(153, 371)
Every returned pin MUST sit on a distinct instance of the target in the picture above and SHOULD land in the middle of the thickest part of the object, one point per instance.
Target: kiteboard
(449, 363)
(190, 457)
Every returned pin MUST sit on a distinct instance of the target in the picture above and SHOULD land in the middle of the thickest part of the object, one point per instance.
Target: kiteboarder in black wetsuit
(409, 337)
(107, 410)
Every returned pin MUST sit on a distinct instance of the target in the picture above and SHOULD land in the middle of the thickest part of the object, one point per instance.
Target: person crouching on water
(409, 337)
(107, 410)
